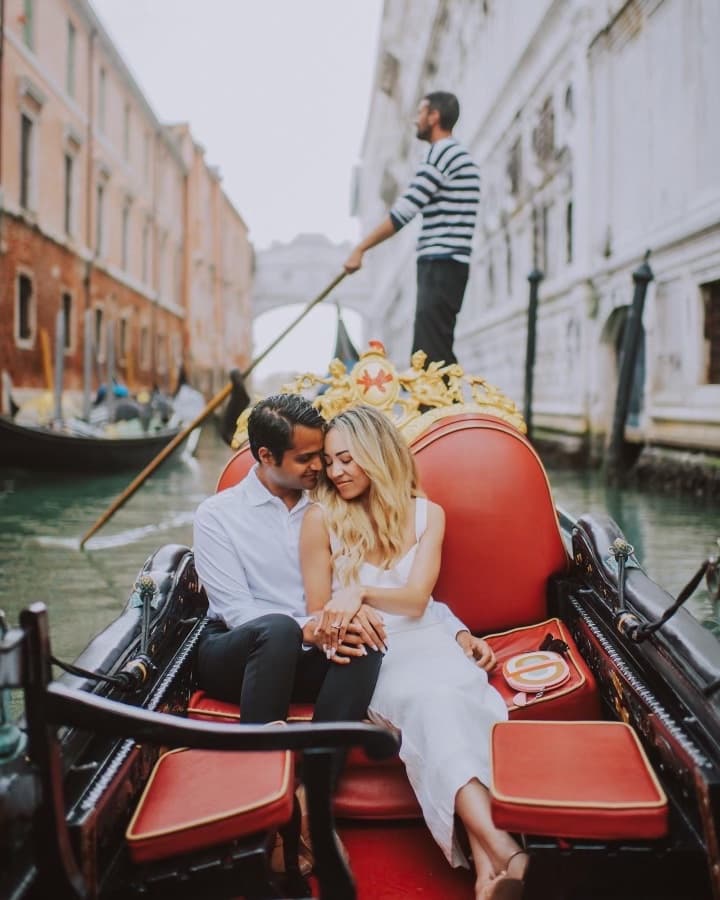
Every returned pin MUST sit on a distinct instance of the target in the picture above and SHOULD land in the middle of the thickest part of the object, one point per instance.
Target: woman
(371, 540)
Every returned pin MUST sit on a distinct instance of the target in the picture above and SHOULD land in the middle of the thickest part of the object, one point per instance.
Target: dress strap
(421, 515)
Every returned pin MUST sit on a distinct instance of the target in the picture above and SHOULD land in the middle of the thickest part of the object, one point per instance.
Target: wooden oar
(200, 418)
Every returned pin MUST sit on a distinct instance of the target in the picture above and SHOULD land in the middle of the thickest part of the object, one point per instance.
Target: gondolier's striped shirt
(446, 190)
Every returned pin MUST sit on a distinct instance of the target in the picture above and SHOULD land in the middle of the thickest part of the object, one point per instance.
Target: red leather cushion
(236, 469)
(574, 780)
(199, 798)
(376, 791)
(502, 539)
(577, 698)
(203, 706)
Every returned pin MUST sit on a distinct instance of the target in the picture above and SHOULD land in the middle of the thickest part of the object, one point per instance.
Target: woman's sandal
(504, 886)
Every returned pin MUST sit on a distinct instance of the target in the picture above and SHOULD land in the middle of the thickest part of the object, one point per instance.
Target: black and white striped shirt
(446, 190)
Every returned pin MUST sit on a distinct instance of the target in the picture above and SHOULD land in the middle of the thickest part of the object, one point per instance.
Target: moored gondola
(611, 776)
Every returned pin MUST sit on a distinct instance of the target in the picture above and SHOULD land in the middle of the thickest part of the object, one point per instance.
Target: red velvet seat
(575, 780)
(196, 799)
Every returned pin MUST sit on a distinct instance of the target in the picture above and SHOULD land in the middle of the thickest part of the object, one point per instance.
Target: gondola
(124, 780)
(41, 448)
(76, 446)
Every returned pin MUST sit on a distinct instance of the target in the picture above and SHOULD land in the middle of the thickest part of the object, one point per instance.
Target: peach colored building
(106, 216)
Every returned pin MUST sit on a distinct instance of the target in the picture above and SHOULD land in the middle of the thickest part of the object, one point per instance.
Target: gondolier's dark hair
(447, 105)
(273, 420)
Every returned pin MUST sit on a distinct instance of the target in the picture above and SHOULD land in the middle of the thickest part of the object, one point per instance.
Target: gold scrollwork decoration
(414, 398)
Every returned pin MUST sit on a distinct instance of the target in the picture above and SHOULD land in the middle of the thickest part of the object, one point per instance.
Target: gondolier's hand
(354, 261)
(336, 615)
(477, 649)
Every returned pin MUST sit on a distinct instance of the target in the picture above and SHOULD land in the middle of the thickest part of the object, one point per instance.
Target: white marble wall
(636, 151)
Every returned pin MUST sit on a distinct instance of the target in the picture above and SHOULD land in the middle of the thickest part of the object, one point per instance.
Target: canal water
(42, 519)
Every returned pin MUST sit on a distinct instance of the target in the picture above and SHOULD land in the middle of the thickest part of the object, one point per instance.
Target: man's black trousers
(262, 666)
(440, 291)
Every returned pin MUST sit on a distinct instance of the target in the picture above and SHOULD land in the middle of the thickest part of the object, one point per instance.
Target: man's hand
(354, 261)
(478, 650)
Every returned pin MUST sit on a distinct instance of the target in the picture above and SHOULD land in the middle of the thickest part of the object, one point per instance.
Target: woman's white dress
(438, 698)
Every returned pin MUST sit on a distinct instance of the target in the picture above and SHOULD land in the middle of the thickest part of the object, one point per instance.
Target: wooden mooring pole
(642, 276)
(535, 277)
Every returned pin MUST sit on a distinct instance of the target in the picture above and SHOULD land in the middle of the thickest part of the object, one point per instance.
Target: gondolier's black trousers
(262, 666)
(440, 291)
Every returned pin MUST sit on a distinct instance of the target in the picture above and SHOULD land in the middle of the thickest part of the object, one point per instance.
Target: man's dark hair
(273, 420)
(447, 105)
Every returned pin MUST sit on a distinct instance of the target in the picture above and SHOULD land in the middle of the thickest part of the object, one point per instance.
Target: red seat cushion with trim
(575, 780)
(576, 698)
(206, 708)
(199, 798)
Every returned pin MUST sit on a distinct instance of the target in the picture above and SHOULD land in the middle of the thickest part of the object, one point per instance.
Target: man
(446, 190)
(261, 649)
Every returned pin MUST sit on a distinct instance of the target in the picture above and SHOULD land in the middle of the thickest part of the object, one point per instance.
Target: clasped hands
(345, 627)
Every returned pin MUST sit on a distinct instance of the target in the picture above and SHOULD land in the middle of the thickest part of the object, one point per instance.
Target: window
(28, 24)
(67, 218)
(146, 252)
(26, 149)
(144, 347)
(123, 338)
(125, 235)
(99, 333)
(126, 133)
(66, 306)
(161, 353)
(711, 298)
(569, 232)
(99, 214)
(102, 87)
(544, 134)
(514, 167)
(24, 313)
(70, 61)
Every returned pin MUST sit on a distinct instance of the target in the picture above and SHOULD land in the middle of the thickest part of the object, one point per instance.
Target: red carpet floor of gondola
(401, 862)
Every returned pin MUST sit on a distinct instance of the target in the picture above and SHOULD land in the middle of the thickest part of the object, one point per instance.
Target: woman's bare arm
(315, 560)
(412, 599)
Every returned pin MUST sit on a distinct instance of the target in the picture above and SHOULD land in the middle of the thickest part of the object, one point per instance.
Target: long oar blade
(200, 418)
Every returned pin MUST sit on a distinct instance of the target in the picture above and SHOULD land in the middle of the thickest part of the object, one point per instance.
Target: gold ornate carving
(414, 399)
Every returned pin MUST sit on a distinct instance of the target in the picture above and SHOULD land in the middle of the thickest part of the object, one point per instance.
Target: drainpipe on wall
(2, 66)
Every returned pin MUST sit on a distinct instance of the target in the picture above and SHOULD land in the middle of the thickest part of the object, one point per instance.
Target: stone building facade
(96, 202)
(593, 127)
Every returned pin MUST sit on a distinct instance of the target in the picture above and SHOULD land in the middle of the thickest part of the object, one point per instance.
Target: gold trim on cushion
(414, 399)
(208, 820)
(580, 804)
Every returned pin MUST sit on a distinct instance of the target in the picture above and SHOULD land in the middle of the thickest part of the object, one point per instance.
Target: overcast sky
(277, 91)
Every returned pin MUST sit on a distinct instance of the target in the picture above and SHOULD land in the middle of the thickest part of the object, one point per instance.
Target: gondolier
(446, 190)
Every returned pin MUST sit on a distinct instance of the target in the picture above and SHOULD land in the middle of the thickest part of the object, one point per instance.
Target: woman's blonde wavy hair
(376, 520)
